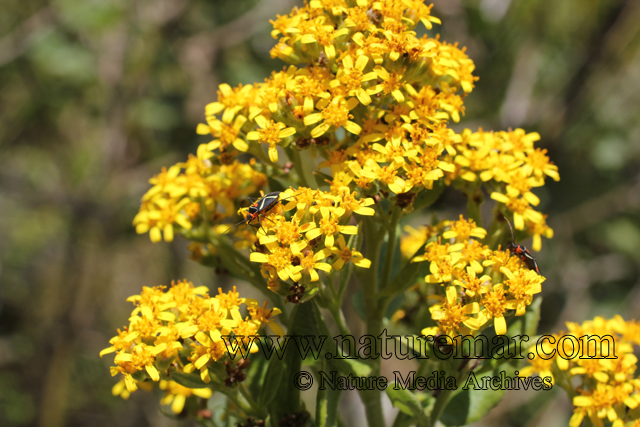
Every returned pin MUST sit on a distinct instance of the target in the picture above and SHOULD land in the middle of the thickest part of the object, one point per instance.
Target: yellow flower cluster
(176, 395)
(293, 247)
(479, 284)
(180, 193)
(595, 362)
(181, 323)
(367, 73)
(510, 167)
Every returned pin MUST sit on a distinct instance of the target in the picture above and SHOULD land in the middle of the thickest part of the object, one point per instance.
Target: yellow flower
(450, 313)
(329, 226)
(176, 395)
(463, 229)
(351, 76)
(494, 303)
(270, 133)
(281, 259)
(522, 285)
(414, 239)
(225, 132)
(520, 208)
(310, 261)
(159, 217)
(345, 255)
(334, 114)
(262, 315)
(392, 83)
(539, 365)
(182, 319)
(325, 35)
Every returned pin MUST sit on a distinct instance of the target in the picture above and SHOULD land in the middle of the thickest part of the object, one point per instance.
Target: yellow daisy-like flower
(176, 395)
(451, 314)
(345, 255)
(311, 261)
(329, 226)
(351, 77)
(270, 133)
(282, 260)
(182, 320)
(334, 114)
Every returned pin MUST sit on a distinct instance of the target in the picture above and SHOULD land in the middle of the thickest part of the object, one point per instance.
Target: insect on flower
(521, 252)
(259, 207)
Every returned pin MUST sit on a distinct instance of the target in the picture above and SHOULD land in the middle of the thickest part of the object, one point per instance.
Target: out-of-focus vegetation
(97, 96)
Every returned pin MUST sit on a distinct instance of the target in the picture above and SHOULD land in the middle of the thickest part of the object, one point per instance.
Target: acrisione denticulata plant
(303, 189)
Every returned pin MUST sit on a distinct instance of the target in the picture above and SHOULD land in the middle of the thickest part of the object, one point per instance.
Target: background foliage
(96, 96)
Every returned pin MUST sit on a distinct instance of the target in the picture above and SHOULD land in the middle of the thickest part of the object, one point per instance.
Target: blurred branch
(17, 42)
(624, 198)
(248, 24)
(198, 52)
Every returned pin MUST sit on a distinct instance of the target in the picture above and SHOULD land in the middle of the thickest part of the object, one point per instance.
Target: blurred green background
(97, 95)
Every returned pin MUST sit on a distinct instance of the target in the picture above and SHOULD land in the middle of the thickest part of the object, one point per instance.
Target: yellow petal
(499, 197)
(202, 360)
(240, 145)
(277, 329)
(153, 372)
(320, 130)
(349, 229)
(258, 257)
(361, 62)
(312, 119)
(178, 403)
(500, 324)
(273, 153)
(203, 129)
(285, 133)
(452, 294)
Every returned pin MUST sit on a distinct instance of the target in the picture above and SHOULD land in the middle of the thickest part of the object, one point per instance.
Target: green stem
(297, 163)
(240, 404)
(338, 317)
(244, 269)
(369, 283)
(401, 420)
(439, 405)
(251, 401)
(344, 281)
(391, 245)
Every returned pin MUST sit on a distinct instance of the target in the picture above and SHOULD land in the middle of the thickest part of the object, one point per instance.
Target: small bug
(521, 252)
(258, 208)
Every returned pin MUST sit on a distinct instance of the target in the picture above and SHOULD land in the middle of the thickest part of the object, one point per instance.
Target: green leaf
(350, 366)
(191, 380)
(275, 184)
(406, 278)
(321, 178)
(407, 403)
(426, 198)
(473, 211)
(305, 320)
(417, 345)
(532, 317)
(358, 304)
(327, 407)
(256, 373)
(467, 406)
(272, 380)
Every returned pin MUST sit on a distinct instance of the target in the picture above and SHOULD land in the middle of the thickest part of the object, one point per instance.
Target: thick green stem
(391, 246)
(369, 285)
(439, 405)
(252, 403)
(300, 169)
(338, 317)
